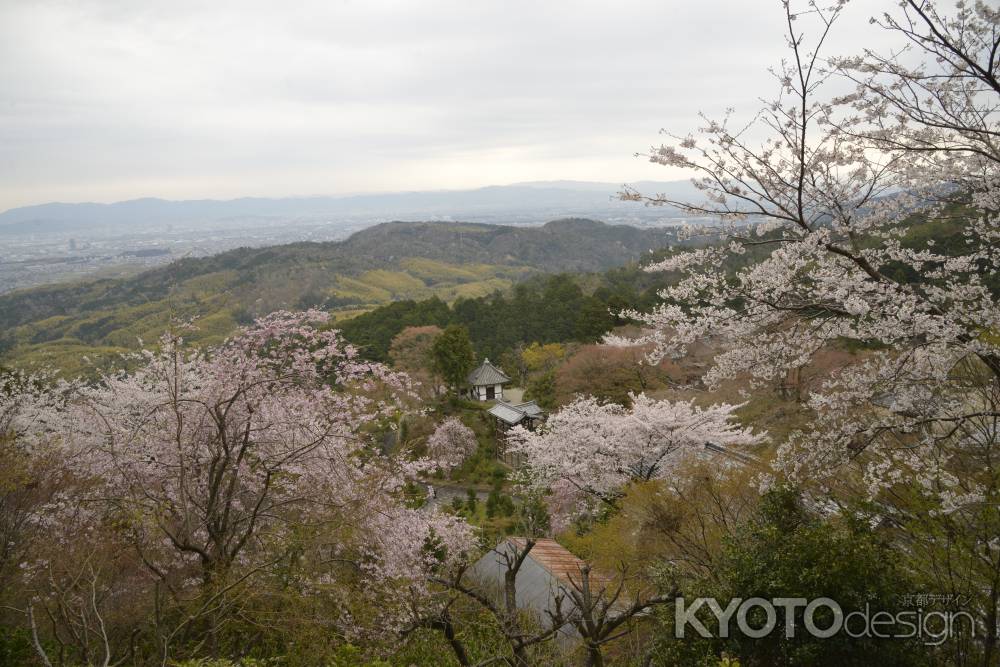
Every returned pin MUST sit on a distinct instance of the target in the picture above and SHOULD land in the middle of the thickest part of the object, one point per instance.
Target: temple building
(486, 382)
(508, 415)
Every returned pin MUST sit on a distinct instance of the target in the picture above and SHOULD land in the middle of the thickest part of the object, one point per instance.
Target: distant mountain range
(520, 202)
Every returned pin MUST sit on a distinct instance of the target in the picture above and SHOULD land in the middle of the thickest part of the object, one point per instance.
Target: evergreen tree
(542, 390)
(453, 355)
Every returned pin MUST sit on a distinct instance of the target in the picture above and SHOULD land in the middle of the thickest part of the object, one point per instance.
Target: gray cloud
(108, 100)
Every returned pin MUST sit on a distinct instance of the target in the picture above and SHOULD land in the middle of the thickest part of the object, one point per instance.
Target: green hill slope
(59, 324)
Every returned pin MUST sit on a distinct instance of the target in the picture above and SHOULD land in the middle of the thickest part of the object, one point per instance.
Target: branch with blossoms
(590, 451)
(833, 207)
(941, 106)
(215, 464)
(451, 443)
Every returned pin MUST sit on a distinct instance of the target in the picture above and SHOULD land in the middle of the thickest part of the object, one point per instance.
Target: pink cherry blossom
(451, 443)
(590, 450)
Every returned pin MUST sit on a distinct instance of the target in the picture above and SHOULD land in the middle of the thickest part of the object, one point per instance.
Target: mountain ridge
(377, 265)
(541, 197)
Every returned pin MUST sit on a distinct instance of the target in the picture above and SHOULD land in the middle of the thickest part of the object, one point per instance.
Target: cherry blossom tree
(590, 450)
(60, 566)
(451, 443)
(33, 406)
(827, 200)
(870, 218)
(22, 476)
(213, 448)
(935, 100)
(401, 553)
(218, 466)
(38, 480)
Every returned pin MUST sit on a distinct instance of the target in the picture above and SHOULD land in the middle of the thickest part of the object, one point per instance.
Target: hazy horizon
(569, 184)
(107, 101)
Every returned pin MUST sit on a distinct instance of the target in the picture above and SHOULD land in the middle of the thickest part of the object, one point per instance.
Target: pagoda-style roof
(513, 413)
(487, 374)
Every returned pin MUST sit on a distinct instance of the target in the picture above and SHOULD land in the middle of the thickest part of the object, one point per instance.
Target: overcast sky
(117, 99)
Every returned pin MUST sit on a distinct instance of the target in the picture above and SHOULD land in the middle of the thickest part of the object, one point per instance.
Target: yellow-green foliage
(397, 283)
(42, 330)
(352, 288)
(214, 328)
(684, 522)
(71, 357)
(422, 279)
(210, 284)
(212, 301)
(432, 271)
(472, 290)
(543, 357)
(348, 313)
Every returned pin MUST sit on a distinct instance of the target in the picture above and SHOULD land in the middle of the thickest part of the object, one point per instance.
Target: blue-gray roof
(487, 374)
(513, 414)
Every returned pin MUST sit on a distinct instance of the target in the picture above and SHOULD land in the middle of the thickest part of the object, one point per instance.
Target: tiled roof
(550, 578)
(513, 414)
(529, 408)
(487, 374)
(507, 413)
(560, 563)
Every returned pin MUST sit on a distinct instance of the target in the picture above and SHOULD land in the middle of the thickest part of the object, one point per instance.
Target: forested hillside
(385, 263)
(543, 309)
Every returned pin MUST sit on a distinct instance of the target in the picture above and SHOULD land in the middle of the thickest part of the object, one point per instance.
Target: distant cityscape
(59, 243)
(32, 260)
